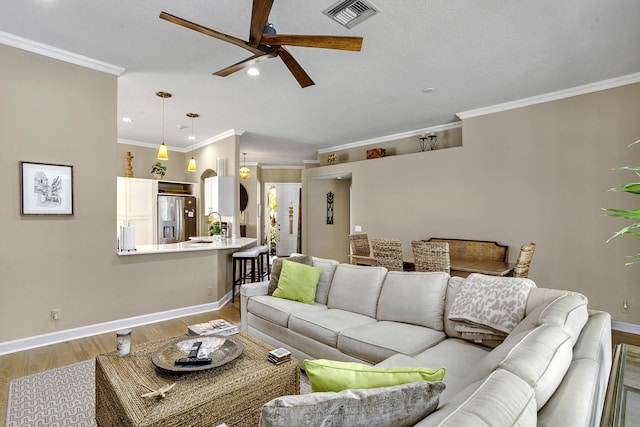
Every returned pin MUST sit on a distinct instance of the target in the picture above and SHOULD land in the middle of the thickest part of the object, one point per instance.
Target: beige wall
(67, 115)
(534, 174)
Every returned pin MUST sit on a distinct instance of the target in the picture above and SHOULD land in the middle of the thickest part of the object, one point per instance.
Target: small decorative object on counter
(161, 393)
(332, 158)
(376, 153)
(123, 342)
(128, 172)
(158, 170)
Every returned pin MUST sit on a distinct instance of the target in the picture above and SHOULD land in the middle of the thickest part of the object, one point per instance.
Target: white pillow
(402, 405)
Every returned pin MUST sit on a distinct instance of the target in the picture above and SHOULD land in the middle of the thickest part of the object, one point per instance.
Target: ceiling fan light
(162, 152)
(192, 165)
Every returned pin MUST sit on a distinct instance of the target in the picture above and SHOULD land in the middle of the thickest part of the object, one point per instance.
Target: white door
(287, 196)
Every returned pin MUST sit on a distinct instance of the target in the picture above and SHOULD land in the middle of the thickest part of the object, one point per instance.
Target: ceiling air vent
(349, 13)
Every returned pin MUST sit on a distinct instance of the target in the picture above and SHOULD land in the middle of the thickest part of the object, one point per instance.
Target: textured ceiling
(473, 53)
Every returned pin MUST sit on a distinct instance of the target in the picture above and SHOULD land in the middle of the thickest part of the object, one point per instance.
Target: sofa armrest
(254, 289)
(247, 291)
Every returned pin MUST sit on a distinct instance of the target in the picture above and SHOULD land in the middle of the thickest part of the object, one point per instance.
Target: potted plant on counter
(216, 231)
(158, 170)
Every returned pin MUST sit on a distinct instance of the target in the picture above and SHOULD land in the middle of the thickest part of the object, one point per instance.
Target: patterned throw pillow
(276, 268)
(401, 405)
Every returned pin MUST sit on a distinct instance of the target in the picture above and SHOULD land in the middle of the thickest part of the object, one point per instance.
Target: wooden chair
(524, 260)
(388, 253)
(359, 244)
(431, 256)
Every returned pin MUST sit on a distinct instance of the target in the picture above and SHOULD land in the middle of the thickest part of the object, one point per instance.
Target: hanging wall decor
(291, 218)
(329, 207)
(46, 189)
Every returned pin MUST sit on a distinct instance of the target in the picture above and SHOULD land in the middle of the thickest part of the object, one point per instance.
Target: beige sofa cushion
(328, 267)
(324, 326)
(501, 399)
(541, 357)
(374, 342)
(278, 310)
(356, 288)
(569, 312)
(413, 297)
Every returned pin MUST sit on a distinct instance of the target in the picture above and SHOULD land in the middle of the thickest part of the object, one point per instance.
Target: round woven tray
(165, 356)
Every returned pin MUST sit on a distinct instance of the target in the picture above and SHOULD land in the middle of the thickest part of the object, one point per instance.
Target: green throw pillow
(298, 282)
(330, 375)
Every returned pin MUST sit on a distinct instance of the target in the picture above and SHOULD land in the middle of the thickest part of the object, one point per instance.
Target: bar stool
(264, 259)
(240, 260)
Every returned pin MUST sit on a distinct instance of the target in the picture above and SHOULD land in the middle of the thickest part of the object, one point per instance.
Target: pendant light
(192, 162)
(244, 170)
(162, 151)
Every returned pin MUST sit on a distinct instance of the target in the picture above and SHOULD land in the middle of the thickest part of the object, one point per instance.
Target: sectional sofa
(551, 368)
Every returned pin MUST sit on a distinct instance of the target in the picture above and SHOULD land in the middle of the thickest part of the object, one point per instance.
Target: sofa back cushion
(328, 267)
(569, 312)
(541, 357)
(414, 297)
(501, 399)
(356, 288)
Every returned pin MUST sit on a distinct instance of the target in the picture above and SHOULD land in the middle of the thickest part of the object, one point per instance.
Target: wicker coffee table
(233, 393)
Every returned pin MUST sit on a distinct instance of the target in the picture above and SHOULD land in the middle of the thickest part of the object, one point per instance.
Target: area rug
(63, 396)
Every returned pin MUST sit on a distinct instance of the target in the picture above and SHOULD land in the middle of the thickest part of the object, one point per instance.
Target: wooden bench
(477, 256)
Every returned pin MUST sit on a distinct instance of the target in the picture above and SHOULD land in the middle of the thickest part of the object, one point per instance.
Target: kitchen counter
(201, 244)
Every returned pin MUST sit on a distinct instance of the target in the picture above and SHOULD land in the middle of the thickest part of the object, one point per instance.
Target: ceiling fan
(264, 43)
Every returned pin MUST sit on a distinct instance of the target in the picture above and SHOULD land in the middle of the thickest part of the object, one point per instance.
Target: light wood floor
(40, 359)
(36, 360)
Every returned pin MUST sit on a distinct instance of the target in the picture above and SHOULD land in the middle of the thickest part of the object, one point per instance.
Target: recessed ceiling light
(127, 119)
(180, 126)
(253, 71)
(192, 138)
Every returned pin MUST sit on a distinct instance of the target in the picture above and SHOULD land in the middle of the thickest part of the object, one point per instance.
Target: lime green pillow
(298, 282)
(330, 375)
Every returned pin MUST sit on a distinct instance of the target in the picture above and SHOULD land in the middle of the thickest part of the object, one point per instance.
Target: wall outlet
(625, 306)
(55, 314)
(210, 290)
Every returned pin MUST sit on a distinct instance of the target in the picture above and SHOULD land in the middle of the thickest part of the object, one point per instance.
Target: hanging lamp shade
(163, 154)
(192, 162)
(244, 171)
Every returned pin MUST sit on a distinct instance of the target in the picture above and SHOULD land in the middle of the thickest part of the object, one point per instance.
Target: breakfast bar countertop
(202, 244)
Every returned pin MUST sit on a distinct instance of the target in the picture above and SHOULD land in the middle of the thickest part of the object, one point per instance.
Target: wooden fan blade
(296, 69)
(325, 42)
(209, 32)
(244, 64)
(259, 16)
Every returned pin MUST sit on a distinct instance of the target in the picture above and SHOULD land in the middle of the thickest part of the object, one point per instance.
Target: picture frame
(46, 189)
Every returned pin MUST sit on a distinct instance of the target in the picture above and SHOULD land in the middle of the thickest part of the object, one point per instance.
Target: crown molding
(219, 137)
(393, 137)
(552, 96)
(62, 55)
(281, 167)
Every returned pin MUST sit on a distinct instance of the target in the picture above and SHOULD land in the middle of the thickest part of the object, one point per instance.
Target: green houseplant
(633, 188)
(159, 169)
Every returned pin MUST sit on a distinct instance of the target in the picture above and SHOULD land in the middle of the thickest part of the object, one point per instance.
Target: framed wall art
(46, 189)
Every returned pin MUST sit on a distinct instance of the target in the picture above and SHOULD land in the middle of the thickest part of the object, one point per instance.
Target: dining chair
(431, 256)
(387, 253)
(359, 244)
(524, 260)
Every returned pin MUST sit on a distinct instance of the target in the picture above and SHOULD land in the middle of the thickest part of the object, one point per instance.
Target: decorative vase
(218, 238)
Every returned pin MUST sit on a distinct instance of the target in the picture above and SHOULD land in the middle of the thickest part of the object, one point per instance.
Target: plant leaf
(620, 213)
(632, 187)
(627, 168)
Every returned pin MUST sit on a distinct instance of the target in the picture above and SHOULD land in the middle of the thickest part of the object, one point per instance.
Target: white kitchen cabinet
(136, 208)
(218, 195)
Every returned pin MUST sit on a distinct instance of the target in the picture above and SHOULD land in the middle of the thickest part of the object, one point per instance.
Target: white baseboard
(101, 328)
(631, 328)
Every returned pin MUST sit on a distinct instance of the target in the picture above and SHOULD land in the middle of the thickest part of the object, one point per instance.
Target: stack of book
(279, 355)
(215, 327)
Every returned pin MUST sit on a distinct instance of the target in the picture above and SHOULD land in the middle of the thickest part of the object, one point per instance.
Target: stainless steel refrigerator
(176, 218)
